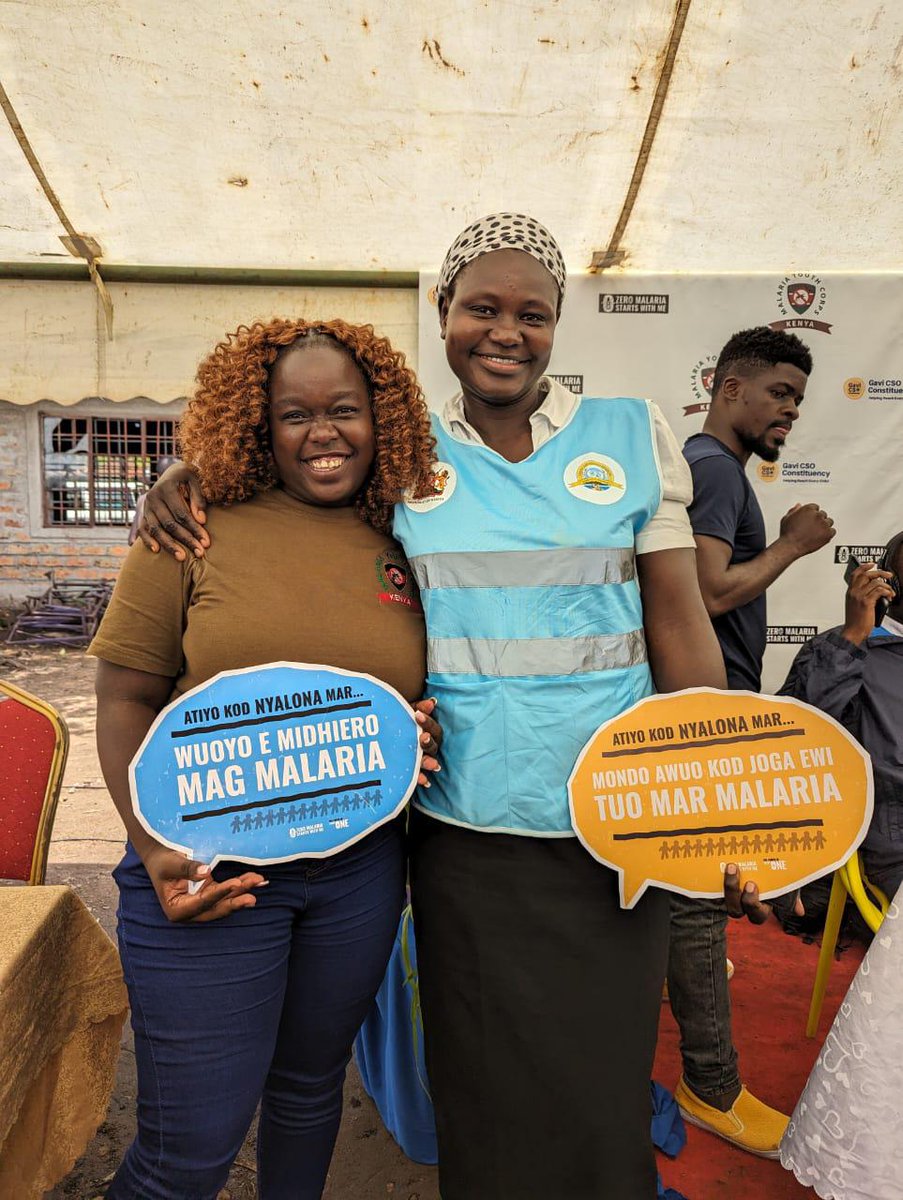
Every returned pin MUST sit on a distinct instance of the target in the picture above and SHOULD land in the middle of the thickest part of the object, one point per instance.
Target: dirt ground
(87, 842)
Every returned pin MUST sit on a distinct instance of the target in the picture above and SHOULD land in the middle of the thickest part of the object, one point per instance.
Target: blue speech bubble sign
(268, 764)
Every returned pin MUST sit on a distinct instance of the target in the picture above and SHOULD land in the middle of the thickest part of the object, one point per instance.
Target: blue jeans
(261, 1006)
(699, 995)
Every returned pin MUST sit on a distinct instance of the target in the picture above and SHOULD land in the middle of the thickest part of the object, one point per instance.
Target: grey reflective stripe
(536, 656)
(562, 567)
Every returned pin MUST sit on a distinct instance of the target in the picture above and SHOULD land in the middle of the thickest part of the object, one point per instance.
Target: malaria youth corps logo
(701, 379)
(443, 484)
(396, 581)
(595, 478)
(805, 296)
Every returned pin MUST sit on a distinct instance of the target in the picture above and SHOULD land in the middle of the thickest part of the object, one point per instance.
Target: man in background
(758, 386)
(854, 673)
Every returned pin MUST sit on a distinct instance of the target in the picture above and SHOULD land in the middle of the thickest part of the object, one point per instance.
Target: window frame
(92, 408)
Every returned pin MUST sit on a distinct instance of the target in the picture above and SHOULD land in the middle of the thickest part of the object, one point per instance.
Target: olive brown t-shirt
(282, 581)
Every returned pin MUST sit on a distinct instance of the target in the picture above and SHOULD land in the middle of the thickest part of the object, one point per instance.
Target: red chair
(34, 743)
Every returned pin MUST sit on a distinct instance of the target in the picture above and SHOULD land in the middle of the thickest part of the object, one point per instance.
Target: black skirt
(541, 1000)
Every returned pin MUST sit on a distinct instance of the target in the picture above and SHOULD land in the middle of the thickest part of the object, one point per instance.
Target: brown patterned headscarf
(503, 231)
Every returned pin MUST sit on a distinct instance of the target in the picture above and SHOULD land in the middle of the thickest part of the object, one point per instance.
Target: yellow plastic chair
(848, 881)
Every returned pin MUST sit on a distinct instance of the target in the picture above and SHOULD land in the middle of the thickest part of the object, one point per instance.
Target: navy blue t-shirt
(725, 506)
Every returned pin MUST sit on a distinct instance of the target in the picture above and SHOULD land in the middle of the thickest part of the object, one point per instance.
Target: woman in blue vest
(557, 573)
(557, 569)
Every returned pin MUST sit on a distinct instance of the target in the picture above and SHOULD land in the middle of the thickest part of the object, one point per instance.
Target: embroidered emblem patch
(396, 581)
(595, 478)
(445, 480)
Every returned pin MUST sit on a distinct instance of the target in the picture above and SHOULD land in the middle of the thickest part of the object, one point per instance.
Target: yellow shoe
(748, 1124)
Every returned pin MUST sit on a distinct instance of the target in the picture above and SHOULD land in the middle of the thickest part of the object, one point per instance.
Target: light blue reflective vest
(533, 613)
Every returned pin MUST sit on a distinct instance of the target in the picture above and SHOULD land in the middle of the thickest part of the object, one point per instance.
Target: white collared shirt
(669, 528)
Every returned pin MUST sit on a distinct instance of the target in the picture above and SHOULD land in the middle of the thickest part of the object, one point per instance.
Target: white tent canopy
(359, 136)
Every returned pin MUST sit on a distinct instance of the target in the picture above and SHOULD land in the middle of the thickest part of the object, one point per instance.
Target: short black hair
(891, 550)
(758, 348)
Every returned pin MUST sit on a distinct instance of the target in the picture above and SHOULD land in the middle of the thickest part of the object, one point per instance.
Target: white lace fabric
(845, 1137)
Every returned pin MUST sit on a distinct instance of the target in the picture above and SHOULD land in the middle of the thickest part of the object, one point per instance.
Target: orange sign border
(710, 895)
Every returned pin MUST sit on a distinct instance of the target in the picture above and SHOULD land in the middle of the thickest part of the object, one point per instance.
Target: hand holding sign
(678, 786)
(274, 763)
(187, 892)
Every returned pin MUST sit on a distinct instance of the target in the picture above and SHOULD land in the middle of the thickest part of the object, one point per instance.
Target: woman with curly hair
(246, 988)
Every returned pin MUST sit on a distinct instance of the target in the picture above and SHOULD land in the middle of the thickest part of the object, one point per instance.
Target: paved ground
(87, 841)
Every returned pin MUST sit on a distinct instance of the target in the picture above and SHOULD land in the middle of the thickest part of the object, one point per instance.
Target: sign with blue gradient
(267, 764)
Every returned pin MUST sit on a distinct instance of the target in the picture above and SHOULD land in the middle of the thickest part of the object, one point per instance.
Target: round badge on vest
(444, 482)
(596, 478)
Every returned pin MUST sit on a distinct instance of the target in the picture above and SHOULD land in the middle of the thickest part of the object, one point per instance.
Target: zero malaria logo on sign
(635, 304)
(274, 763)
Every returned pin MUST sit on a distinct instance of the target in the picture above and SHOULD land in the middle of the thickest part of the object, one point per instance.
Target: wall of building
(28, 547)
(57, 360)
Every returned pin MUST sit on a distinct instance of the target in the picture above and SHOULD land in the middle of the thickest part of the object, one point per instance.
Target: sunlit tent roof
(353, 136)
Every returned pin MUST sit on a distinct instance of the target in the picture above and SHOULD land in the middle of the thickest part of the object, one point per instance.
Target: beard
(759, 447)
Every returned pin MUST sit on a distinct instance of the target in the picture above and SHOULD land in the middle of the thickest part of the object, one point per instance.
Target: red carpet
(770, 992)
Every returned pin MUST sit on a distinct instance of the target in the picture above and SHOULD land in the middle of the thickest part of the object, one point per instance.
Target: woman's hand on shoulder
(176, 879)
(171, 520)
(430, 738)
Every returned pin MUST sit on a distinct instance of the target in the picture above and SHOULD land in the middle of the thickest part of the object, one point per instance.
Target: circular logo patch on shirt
(444, 482)
(397, 585)
(595, 478)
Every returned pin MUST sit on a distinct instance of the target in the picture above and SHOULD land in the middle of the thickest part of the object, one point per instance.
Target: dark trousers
(261, 1006)
(541, 999)
(700, 997)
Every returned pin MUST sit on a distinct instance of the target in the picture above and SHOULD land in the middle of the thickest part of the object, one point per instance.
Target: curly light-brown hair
(225, 431)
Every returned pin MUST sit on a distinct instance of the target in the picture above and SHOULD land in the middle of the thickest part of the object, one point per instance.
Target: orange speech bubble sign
(678, 786)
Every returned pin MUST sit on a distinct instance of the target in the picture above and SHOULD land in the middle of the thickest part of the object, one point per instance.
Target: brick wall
(27, 552)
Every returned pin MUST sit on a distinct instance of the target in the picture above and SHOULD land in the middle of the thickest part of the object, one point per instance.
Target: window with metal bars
(95, 468)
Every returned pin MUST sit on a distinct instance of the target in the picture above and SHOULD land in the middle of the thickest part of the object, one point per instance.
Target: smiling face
(764, 406)
(499, 327)
(321, 424)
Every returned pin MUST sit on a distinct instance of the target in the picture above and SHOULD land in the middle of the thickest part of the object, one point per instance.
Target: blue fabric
(389, 1055)
(669, 1133)
(262, 1005)
(543, 503)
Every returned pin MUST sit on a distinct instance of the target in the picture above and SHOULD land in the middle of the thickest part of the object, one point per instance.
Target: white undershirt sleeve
(669, 528)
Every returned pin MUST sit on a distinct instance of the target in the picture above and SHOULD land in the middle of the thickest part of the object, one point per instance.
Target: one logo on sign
(274, 763)
(595, 478)
(442, 488)
(801, 298)
(768, 472)
(854, 388)
(702, 378)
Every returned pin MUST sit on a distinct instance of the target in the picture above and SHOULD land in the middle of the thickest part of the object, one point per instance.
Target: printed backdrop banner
(658, 336)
